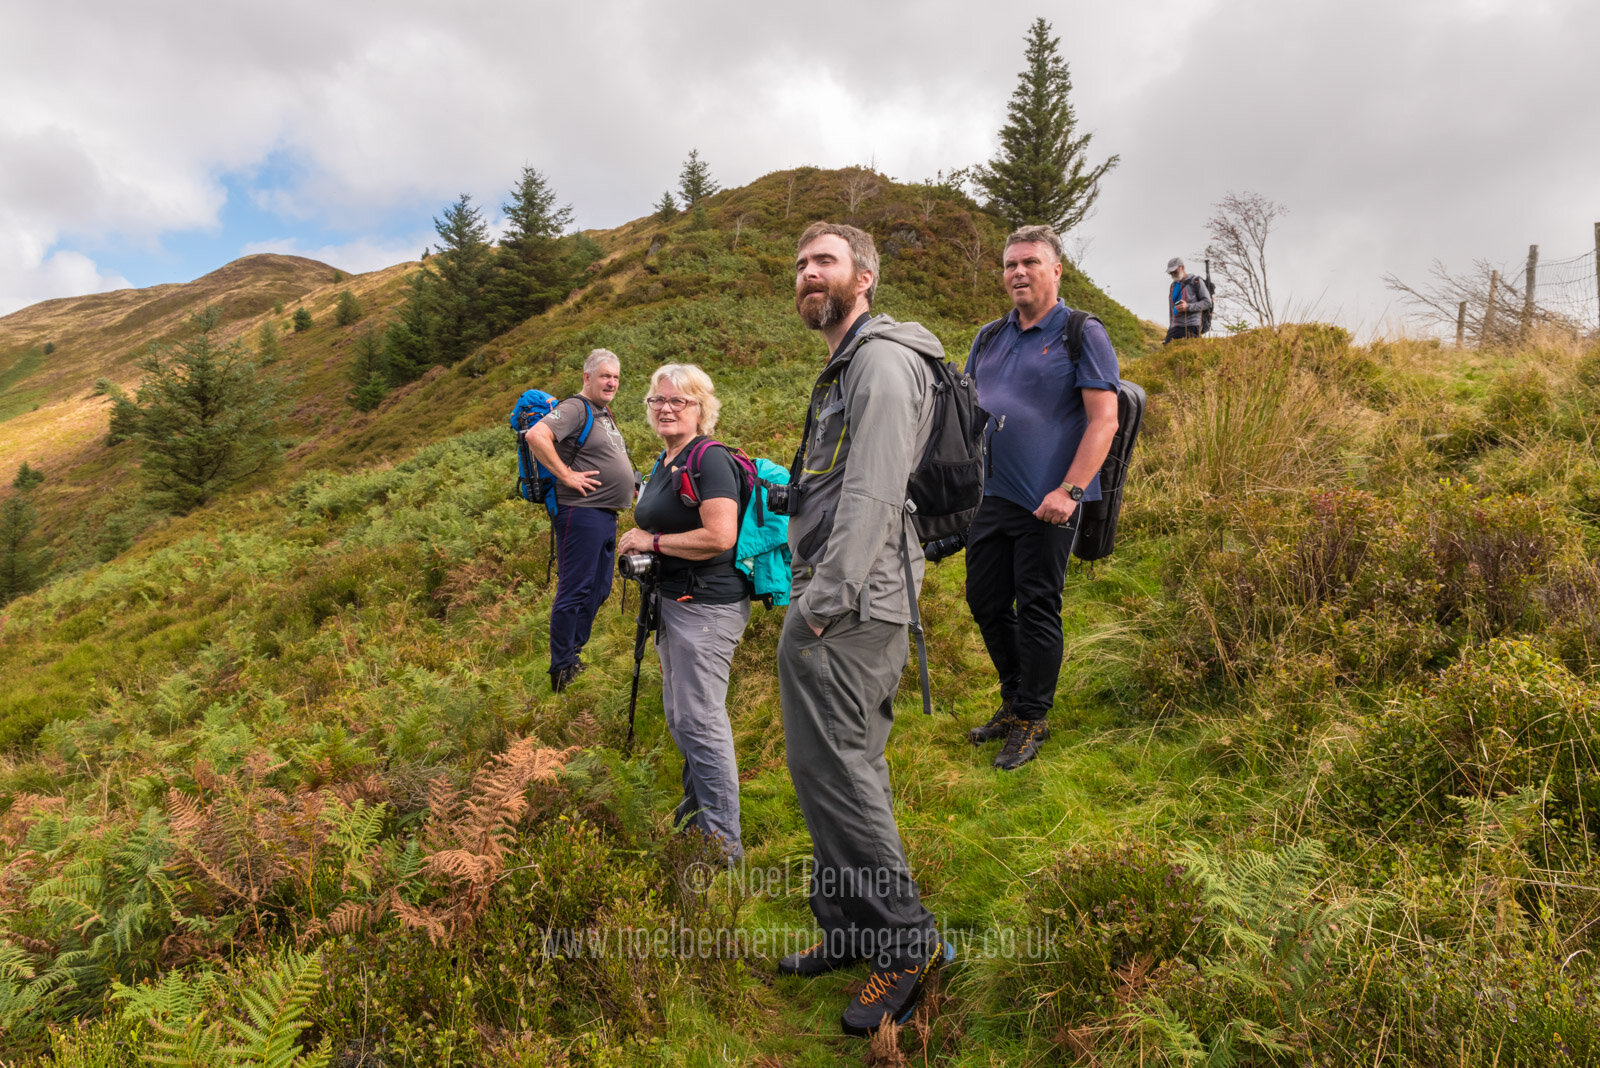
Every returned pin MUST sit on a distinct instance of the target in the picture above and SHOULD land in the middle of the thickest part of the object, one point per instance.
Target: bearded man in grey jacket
(844, 639)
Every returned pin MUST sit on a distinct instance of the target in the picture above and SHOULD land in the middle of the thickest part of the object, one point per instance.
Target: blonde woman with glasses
(688, 516)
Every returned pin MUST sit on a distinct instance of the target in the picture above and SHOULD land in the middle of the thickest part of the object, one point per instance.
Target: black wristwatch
(1075, 492)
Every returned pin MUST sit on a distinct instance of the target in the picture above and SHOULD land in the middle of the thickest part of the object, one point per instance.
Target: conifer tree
(20, 567)
(694, 182)
(408, 343)
(348, 309)
(666, 207)
(1041, 174)
(302, 320)
(268, 349)
(462, 269)
(369, 373)
(124, 422)
(207, 417)
(531, 272)
(28, 477)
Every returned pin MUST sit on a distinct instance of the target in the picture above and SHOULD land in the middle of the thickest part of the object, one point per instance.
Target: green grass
(371, 619)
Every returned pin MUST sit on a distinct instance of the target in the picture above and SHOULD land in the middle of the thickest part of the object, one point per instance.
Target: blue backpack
(762, 551)
(535, 482)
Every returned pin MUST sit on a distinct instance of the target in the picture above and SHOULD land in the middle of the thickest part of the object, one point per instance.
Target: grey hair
(598, 357)
(697, 384)
(1040, 235)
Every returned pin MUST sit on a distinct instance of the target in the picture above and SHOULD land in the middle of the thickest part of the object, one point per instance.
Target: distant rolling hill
(714, 289)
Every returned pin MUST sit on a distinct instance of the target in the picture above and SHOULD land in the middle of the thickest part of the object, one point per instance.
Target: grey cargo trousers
(838, 706)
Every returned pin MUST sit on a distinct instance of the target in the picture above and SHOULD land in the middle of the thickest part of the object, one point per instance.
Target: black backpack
(1097, 528)
(1205, 316)
(946, 486)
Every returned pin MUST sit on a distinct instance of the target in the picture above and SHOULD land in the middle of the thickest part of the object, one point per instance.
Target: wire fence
(1566, 292)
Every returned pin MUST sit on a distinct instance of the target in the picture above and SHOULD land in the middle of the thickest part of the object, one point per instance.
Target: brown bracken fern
(467, 834)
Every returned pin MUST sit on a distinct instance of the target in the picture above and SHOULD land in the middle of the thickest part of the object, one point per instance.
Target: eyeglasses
(677, 404)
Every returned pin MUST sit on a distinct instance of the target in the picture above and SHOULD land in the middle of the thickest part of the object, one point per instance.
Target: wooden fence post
(1486, 332)
(1597, 271)
(1527, 292)
(1461, 325)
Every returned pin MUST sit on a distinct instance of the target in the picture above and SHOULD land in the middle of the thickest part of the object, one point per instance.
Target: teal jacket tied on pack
(762, 551)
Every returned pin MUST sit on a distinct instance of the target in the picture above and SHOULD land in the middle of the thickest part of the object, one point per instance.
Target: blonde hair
(694, 382)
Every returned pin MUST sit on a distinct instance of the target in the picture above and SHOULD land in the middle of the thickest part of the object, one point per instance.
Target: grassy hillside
(1322, 787)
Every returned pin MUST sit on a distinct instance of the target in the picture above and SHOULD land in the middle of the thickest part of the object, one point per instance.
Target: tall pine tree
(462, 267)
(1041, 174)
(694, 181)
(21, 567)
(207, 417)
(408, 342)
(531, 270)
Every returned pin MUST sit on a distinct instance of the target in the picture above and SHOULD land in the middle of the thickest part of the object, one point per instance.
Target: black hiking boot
(892, 994)
(560, 677)
(1022, 744)
(813, 961)
(999, 725)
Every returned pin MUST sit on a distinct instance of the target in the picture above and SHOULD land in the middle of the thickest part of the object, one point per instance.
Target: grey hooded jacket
(872, 413)
(1199, 298)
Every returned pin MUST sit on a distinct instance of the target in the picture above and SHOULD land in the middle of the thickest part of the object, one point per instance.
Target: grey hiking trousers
(838, 706)
(695, 643)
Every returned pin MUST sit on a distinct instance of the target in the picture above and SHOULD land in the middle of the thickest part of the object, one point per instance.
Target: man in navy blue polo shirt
(1053, 417)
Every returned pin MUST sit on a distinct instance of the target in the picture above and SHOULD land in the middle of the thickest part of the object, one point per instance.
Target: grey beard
(832, 311)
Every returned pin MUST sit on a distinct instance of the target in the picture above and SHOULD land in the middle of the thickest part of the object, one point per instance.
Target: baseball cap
(1173, 264)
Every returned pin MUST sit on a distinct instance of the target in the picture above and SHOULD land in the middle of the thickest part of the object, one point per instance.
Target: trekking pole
(649, 606)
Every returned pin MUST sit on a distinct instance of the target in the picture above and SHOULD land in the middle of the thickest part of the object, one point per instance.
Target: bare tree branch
(1238, 250)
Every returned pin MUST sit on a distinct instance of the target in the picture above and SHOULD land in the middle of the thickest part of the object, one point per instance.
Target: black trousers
(1176, 332)
(1015, 566)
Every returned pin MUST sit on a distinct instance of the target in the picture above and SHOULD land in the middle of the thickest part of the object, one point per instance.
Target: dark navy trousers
(586, 547)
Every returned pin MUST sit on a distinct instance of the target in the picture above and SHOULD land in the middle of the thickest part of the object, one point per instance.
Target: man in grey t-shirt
(594, 481)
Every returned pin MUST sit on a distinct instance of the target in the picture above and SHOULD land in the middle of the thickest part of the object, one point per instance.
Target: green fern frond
(356, 830)
(271, 1037)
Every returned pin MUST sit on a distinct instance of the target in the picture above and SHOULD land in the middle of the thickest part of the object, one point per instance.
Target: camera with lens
(641, 567)
(783, 498)
(949, 545)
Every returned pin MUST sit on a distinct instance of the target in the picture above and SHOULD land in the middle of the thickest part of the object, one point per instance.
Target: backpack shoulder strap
(1073, 333)
(980, 345)
(588, 420)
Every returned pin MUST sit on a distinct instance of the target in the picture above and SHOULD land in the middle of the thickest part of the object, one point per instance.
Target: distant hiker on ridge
(589, 493)
(1187, 300)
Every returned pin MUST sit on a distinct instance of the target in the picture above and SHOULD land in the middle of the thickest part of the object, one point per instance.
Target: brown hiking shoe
(999, 726)
(1022, 744)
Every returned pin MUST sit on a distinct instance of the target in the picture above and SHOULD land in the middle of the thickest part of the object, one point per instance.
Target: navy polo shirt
(1029, 386)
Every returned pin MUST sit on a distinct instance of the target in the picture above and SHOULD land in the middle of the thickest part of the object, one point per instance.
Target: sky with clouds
(153, 142)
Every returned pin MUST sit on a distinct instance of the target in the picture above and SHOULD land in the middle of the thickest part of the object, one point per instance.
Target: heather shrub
(1503, 719)
(1102, 918)
(1377, 589)
(1411, 1005)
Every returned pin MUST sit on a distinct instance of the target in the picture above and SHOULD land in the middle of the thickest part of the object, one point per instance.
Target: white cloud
(1394, 132)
